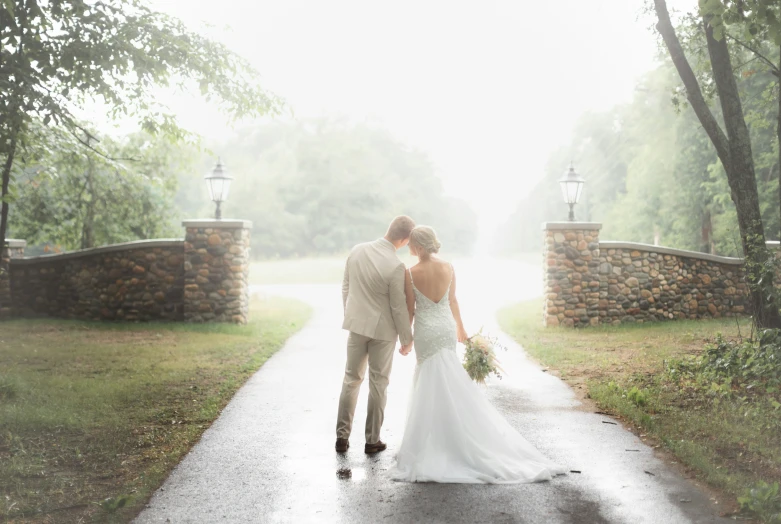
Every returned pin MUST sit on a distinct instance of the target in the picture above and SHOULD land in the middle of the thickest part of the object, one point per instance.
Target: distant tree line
(652, 174)
(319, 187)
(309, 187)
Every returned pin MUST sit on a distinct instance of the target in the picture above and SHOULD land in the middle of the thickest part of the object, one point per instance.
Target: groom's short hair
(400, 228)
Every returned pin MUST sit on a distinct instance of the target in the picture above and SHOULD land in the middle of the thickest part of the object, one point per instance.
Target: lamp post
(571, 189)
(219, 184)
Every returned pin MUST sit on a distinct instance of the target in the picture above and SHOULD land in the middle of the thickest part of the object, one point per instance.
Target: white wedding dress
(453, 433)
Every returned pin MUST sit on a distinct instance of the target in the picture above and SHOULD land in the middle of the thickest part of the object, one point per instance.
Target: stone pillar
(216, 270)
(13, 249)
(571, 280)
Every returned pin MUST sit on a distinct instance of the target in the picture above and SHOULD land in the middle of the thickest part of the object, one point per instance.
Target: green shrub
(638, 397)
(763, 501)
(747, 363)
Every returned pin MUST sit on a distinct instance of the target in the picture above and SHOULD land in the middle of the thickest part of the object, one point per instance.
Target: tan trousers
(379, 354)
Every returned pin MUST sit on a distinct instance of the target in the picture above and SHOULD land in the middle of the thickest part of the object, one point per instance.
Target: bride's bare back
(432, 277)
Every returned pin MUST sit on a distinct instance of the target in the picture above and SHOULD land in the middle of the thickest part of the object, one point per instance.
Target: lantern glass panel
(570, 191)
(564, 191)
(216, 189)
(226, 187)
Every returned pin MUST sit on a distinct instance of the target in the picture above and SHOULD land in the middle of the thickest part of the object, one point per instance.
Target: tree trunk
(707, 227)
(693, 91)
(88, 227)
(9, 163)
(778, 138)
(743, 185)
(12, 121)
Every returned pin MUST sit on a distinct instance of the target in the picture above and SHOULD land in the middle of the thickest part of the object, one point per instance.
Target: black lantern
(219, 184)
(571, 188)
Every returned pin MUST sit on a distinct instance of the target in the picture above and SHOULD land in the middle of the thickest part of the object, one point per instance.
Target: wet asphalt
(269, 457)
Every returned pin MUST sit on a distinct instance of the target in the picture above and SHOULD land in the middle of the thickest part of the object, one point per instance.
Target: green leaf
(711, 7)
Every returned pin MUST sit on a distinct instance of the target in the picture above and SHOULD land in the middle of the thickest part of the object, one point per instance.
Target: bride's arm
(410, 295)
(460, 331)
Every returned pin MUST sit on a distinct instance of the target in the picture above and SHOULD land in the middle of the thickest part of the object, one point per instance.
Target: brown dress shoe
(376, 447)
(342, 444)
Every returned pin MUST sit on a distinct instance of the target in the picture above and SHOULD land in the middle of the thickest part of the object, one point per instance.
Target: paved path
(269, 457)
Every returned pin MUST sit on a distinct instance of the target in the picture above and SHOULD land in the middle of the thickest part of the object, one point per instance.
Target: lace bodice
(435, 327)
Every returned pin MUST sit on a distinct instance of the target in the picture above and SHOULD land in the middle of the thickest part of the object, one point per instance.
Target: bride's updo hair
(424, 238)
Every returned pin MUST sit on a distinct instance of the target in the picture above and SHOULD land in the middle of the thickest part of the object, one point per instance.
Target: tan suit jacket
(373, 293)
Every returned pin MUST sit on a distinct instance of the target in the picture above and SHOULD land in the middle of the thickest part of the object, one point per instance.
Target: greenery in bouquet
(480, 357)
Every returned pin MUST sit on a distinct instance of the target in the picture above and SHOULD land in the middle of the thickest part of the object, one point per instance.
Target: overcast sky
(488, 88)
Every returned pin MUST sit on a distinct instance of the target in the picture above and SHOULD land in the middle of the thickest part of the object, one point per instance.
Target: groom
(375, 313)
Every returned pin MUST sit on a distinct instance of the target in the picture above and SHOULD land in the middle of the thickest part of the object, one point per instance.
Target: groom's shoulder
(357, 248)
(363, 246)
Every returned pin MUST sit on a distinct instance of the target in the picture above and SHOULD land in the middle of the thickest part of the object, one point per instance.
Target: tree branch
(86, 144)
(747, 62)
(727, 88)
(773, 68)
(693, 91)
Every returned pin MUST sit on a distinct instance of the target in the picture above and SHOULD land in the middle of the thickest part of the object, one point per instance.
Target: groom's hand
(405, 349)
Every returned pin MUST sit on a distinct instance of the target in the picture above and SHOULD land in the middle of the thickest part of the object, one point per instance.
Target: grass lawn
(93, 416)
(727, 436)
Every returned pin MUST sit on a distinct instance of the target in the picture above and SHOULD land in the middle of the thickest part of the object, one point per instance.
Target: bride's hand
(461, 334)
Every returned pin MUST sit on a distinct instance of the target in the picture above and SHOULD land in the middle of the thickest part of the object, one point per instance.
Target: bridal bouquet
(480, 357)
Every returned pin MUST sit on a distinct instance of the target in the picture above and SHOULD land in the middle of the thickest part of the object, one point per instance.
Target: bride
(453, 433)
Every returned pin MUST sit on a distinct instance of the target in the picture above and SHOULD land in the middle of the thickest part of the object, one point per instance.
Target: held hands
(405, 349)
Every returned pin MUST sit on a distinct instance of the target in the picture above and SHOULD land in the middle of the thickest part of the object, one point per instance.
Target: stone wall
(646, 283)
(203, 278)
(133, 281)
(591, 282)
(216, 286)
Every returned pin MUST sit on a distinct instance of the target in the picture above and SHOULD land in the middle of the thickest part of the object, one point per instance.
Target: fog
(488, 89)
